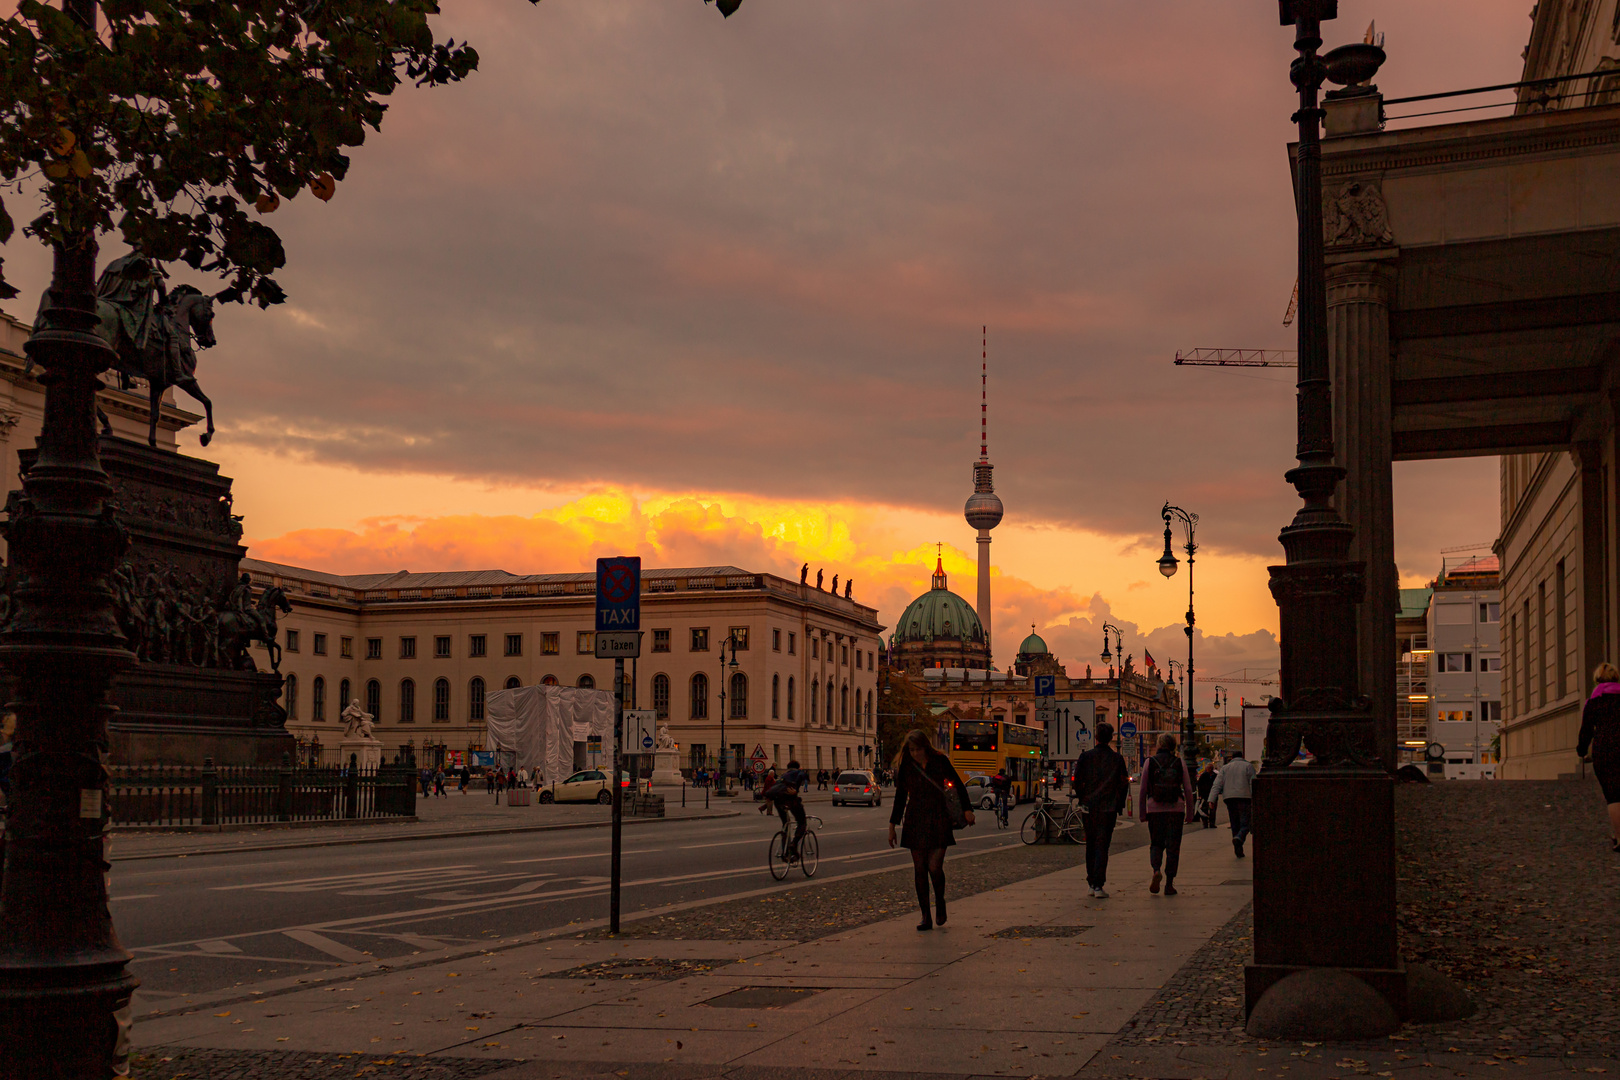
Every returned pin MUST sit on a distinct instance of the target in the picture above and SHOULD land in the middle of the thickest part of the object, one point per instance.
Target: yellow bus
(980, 747)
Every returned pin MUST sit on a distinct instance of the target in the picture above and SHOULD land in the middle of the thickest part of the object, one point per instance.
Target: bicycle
(1043, 824)
(1003, 804)
(778, 857)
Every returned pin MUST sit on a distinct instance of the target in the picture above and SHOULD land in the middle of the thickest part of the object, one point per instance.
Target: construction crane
(1269, 358)
(1241, 677)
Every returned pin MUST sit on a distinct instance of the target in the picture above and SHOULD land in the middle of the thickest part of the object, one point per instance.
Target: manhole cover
(763, 997)
(1040, 931)
(639, 968)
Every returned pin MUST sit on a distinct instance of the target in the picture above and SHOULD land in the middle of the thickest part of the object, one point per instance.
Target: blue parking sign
(1127, 729)
(1046, 686)
(618, 594)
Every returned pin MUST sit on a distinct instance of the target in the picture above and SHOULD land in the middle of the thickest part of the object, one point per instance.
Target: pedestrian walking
(464, 778)
(427, 782)
(1165, 802)
(924, 780)
(1236, 784)
(1102, 783)
(1599, 741)
(438, 783)
(1206, 805)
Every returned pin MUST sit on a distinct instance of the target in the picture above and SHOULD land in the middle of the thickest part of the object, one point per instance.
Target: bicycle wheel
(1034, 830)
(778, 857)
(1074, 827)
(808, 853)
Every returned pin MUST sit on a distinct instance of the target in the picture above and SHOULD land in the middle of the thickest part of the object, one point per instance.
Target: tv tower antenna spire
(984, 510)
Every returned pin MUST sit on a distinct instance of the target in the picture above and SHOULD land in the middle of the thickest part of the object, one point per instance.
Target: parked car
(856, 787)
(979, 793)
(588, 785)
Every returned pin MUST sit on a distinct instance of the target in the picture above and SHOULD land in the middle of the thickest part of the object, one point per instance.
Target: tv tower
(983, 510)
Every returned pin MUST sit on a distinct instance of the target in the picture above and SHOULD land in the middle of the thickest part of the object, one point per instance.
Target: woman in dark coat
(1600, 740)
(923, 779)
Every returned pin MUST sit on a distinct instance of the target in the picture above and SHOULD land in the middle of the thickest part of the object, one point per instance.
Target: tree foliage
(185, 123)
(902, 708)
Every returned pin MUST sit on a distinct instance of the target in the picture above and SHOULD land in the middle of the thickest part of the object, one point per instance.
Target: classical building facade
(422, 652)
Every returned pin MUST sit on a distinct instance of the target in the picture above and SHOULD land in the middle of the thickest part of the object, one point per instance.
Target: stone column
(1594, 647)
(1358, 292)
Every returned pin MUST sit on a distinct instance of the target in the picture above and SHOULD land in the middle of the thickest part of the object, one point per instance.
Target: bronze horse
(168, 359)
(237, 631)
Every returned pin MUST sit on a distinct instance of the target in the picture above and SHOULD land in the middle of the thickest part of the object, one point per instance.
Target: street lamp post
(725, 670)
(1167, 567)
(1119, 673)
(1222, 699)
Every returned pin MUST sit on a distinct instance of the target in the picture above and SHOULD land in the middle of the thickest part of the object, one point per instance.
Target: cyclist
(1001, 787)
(784, 796)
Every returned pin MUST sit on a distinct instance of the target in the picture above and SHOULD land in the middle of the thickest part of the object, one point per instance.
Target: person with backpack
(1102, 783)
(1165, 802)
(1236, 783)
(1206, 804)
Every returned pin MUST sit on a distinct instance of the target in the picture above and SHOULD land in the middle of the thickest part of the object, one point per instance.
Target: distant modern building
(1464, 627)
(1412, 675)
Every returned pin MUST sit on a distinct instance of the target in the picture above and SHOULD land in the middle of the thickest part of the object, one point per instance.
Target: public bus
(980, 747)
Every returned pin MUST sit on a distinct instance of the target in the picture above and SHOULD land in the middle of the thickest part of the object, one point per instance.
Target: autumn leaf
(324, 187)
(267, 203)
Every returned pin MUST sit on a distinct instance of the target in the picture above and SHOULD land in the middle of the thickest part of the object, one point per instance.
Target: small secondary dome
(1033, 646)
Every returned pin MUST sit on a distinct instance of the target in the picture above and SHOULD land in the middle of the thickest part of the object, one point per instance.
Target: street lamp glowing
(1107, 657)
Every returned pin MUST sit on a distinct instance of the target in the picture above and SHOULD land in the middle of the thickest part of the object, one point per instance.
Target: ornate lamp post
(1221, 701)
(1119, 672)
(1167, 567)
(721, 787)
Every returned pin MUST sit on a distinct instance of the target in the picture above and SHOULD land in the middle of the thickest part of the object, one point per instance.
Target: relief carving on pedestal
(1355, 215)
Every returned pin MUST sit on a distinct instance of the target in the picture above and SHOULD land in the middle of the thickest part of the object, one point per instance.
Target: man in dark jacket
(1206, 805)
(1102, 782)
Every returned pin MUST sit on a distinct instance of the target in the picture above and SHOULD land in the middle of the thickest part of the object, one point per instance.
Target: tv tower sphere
(983, 509)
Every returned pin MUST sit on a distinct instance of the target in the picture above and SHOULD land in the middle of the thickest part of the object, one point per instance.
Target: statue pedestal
(367, 752)
(666, 768)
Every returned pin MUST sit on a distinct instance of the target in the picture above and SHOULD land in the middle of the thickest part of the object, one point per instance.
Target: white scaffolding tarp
(541, 725)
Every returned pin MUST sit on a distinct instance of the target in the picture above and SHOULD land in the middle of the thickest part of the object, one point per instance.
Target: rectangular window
(776, 640)
(1490, 712)
(292, 641)
(550, 644)
(1541, 642)
(857, 659)
(739, 634)
(793, 643)
(660, 641)
(1489, 613)
(1456, 716)
(407, 648)
(815, 647)
(346, 648)
(441, 646)
(1490, 663)
(870, 660)
(1456, 661)
(373, 648)
(843, 654)
(477, 645)
(1561, 628)
(585, 642)
(514, 644)
(319, 644)
(1524, 668)
(700, 639)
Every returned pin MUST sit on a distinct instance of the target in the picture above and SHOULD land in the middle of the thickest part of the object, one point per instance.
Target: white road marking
(134, 896)
(217, 947)
(341, 877)
(328, 946)
(588, 855)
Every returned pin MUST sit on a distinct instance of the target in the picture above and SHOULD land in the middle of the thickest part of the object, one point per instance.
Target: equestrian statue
(244, 622)
(152, 331)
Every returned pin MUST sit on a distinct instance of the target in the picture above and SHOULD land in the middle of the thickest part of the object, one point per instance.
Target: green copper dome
(1033, 645)
(938, 613)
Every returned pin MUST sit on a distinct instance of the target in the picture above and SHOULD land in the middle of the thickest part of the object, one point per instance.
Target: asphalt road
(209, 923)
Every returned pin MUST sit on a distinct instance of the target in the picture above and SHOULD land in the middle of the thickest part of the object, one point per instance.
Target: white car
(588, 785)
(856, 787)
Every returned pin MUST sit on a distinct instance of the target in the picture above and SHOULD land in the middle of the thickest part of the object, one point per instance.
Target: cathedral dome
(938, 613)
(1033, 645)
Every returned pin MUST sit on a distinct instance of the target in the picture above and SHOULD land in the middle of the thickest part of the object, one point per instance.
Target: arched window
(869, 708)
(549, 680)
(776, 697)
(586, 682)
(475, 699)
(441, 701)
(513, 682)
(661, 696)
(815, 700)
(830, 698)
(374, 697)
(291, 690)
(843, 705)
(343, 695)
(317, 699)
(407, 701)
(790, 697)
(739, 696)
(700, 696)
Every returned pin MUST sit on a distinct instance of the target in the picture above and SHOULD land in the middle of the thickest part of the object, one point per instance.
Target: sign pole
(618, 794)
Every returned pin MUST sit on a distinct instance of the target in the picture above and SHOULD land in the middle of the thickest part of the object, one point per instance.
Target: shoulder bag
(953, 806)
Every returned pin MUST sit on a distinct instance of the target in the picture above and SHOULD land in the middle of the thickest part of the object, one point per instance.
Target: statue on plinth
(357, 723)
(665, 741)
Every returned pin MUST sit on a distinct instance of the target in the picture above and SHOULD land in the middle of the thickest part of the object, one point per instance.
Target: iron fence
(147, 796)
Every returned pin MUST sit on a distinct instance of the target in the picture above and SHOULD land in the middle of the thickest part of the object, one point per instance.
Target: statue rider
(133, 288)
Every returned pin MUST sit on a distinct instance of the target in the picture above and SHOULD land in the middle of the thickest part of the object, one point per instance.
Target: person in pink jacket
(1165, 801)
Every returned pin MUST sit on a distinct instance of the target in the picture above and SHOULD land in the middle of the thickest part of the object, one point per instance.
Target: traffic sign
(1127, 729)
(757, 767)
(618, 645)
(646, 742)
(618, 595)
(759, 751)
(1045, 686)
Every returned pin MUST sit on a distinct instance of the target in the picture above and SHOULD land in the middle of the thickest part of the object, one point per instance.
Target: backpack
(1166, 786)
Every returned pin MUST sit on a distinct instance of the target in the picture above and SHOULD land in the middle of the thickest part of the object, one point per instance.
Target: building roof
(1414, 603)
(1034, 645)
(406, 579)
(938, 613)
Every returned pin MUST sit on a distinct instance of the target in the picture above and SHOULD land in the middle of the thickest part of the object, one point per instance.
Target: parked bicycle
(781, 857)
(1046, 824)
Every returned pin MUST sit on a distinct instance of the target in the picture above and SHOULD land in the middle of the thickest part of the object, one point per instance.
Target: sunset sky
(711, 292)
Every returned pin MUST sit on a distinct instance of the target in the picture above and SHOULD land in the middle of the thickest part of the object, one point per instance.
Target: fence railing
(146, 796)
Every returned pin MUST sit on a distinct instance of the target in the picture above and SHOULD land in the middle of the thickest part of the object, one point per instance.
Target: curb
(346, 841)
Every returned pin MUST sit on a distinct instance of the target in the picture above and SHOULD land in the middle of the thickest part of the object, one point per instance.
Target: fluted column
(1358, 296)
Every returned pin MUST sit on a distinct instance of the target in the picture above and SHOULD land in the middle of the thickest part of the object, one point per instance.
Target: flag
(1152, 663)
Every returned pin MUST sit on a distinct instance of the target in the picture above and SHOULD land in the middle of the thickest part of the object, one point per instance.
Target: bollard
(706, 796)
(351, 788)
(210, 793)
(683, 792)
